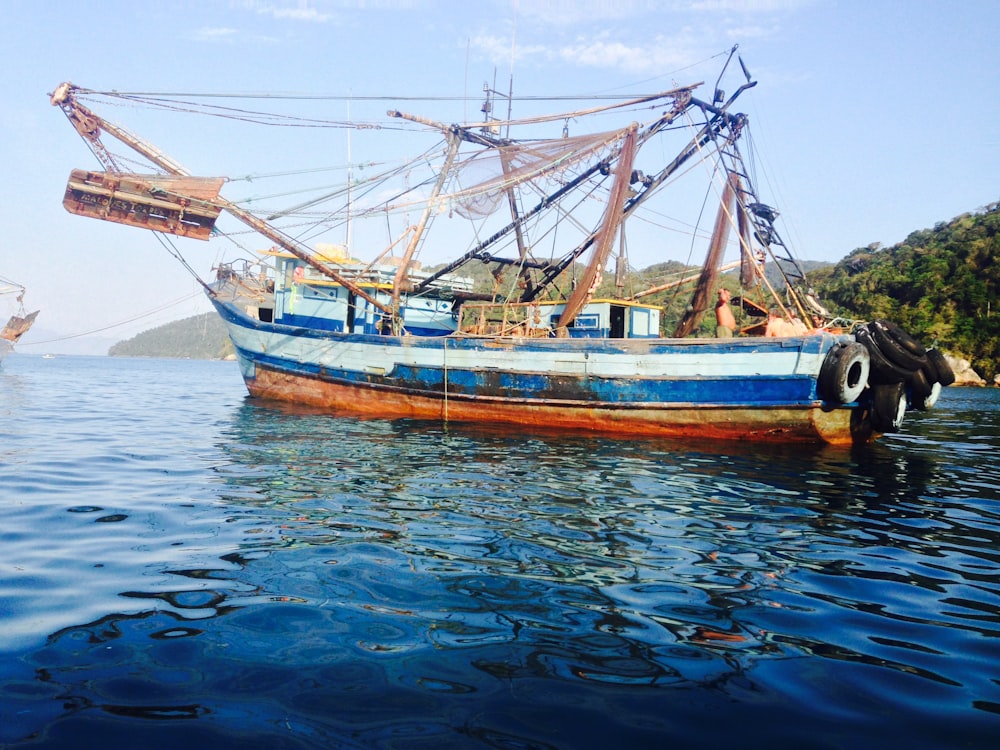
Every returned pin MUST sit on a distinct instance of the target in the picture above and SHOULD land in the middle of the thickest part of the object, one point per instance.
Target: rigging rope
(168, 245)
(161, 101)
(120, 323)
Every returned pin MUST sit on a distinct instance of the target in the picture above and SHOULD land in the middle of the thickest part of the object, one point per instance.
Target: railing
(502, 319)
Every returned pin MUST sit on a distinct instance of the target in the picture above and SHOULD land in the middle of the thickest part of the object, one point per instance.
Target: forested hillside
(940, 284)
(198, 337)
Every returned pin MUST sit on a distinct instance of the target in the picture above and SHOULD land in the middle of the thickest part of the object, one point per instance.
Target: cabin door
(617, 322)
(351, 310)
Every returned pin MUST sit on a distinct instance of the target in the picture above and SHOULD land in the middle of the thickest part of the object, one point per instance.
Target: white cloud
(746, 6)
(571, 12)
(323, 11)
(217, 34)
(605, 55)
(227, 35)
(615, 34)
(302, 12)
(307, 11)
(751, 31)
(656, 55)
(498, 50)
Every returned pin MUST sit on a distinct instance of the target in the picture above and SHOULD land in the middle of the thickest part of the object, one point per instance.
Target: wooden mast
(699, 302)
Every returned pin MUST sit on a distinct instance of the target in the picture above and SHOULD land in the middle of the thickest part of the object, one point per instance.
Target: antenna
(350, 180)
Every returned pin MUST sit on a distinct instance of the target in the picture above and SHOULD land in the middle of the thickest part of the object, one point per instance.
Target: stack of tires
(902, 373)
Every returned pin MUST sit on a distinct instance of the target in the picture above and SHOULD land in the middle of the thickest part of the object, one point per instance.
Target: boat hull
(744, 388)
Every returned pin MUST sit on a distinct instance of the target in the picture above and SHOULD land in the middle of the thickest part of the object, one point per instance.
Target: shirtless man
(725, 322)
(776, 325)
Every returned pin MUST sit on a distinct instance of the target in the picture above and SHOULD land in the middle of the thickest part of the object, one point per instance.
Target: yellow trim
(623, 302)
(320, 258)
(331, 282)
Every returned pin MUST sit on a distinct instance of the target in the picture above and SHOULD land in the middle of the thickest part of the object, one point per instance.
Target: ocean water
(184, 567)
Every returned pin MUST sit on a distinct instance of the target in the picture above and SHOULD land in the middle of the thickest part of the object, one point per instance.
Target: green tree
(940, 284)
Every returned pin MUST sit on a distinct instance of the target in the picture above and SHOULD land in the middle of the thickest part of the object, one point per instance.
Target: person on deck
(776, 325)
(725, 321)
(795, 326)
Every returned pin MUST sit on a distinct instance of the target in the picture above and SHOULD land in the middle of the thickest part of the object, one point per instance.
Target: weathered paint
(763, 389)
(162, 203)
(810, 423)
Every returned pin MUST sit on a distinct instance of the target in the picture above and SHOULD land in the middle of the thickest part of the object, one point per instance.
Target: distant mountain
(198, 337)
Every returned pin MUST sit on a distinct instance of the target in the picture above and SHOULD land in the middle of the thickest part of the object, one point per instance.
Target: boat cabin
(601, 318)
(607, 319)
(304, 297)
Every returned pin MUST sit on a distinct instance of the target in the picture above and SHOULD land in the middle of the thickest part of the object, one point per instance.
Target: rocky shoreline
(965, 375)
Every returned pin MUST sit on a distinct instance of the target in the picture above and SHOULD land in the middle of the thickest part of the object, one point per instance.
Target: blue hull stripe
(798, 391)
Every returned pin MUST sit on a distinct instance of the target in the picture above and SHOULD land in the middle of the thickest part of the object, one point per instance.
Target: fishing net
(486, 178)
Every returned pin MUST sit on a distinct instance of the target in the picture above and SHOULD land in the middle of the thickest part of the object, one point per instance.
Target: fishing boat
(17, 324)
(519, 324)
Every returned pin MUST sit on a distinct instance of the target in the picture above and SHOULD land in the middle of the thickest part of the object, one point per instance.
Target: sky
(877, 118)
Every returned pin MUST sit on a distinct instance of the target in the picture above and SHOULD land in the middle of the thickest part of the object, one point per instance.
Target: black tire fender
(931, 398)
(882, 370)
(919, 386)
(938, 368)
(897, 345)
(888, 407)
(844, 373)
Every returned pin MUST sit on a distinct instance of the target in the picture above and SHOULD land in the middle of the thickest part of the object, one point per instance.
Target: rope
(108, 327)
(444, 355)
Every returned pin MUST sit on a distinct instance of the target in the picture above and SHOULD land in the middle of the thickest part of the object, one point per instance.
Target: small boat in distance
(17, 324)
(519, 325)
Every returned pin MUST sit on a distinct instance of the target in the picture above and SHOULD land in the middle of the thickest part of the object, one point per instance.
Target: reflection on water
(332, 582)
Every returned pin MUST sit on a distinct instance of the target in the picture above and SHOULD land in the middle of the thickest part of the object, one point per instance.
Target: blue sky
(876, 118)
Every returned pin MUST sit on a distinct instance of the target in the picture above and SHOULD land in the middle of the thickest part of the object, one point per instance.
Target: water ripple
(198, 567)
